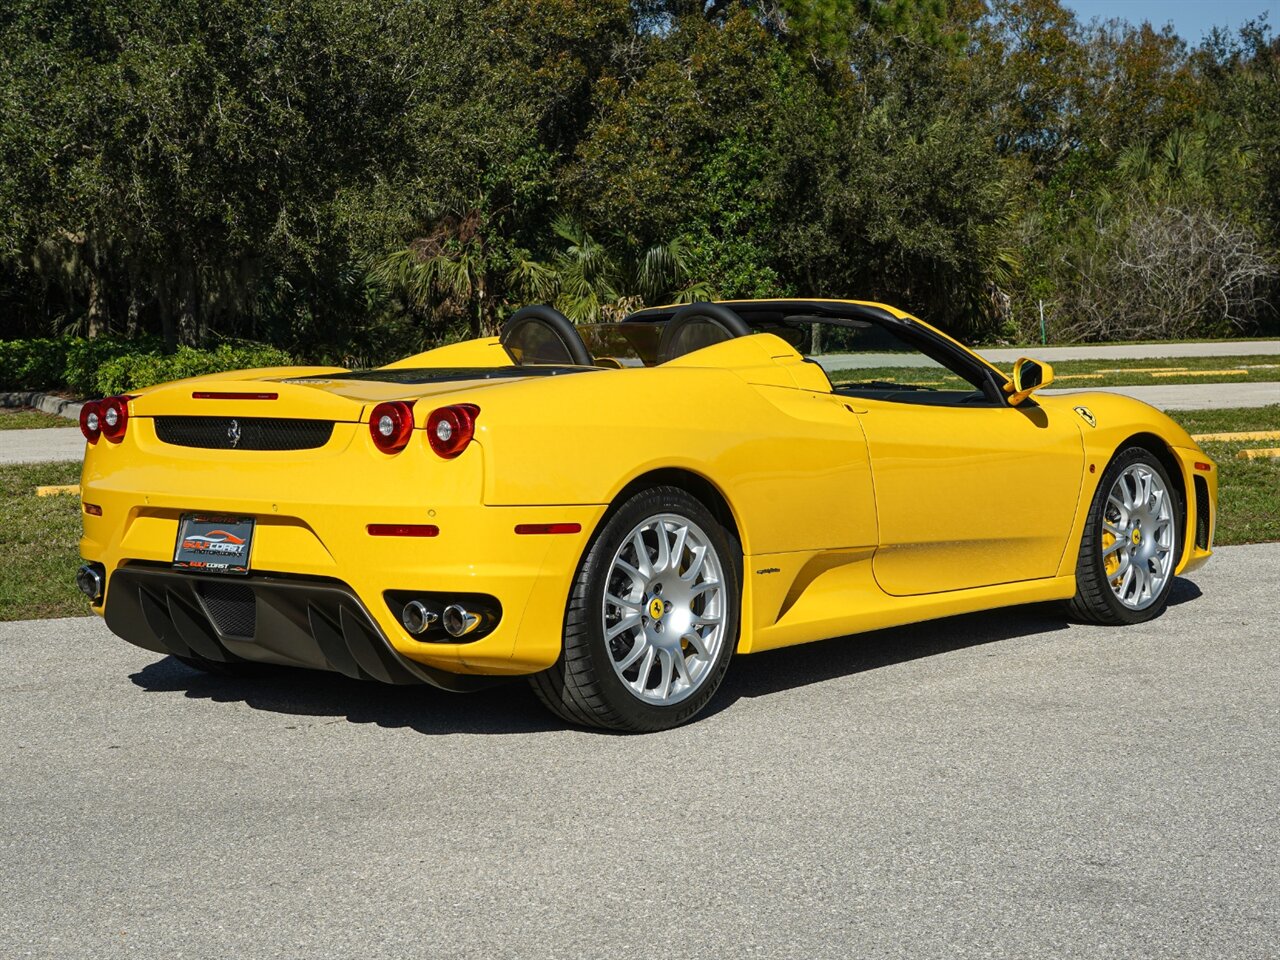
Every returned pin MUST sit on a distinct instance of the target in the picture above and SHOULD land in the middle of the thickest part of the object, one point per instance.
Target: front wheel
(652, 617)
(1130, 544)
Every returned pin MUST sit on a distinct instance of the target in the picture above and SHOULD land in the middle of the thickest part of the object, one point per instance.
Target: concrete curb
(57, 406)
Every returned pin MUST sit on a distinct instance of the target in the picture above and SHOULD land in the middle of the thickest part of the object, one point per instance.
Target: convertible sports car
(615, 510)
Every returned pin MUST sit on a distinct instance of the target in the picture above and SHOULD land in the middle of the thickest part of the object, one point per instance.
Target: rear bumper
(312, 517)
(298, 622)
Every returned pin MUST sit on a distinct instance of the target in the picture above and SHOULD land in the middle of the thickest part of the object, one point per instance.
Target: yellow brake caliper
(1112, 562)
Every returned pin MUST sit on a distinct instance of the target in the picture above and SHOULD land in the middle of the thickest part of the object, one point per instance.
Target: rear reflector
(1205, 467)
(205, 395)
(93, 510)
(403, 530)
(527, 528)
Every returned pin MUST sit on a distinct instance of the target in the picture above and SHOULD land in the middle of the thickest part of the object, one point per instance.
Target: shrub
(32, 364)
(85, 357)
(133, 371)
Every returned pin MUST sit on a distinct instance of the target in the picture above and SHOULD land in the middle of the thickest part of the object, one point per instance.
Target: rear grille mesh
(231, 607)
(244, 433)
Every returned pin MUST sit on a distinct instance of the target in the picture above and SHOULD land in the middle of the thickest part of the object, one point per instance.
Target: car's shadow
(513, 708)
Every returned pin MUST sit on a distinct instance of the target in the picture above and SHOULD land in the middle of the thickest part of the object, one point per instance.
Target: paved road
(1197, 396)
(46, 443)
(1119, 351)
(986, 786)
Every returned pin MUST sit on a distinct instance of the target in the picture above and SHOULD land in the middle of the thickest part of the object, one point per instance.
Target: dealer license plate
(213, 544)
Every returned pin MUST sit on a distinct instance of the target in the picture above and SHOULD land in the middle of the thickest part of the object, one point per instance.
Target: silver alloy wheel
(1138, 519)
(664, 609)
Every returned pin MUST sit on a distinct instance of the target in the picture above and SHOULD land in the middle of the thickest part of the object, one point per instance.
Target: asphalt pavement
(995, 785)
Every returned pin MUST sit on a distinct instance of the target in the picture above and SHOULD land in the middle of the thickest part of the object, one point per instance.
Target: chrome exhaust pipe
(459, 621)
(417, 618)
(89, 580)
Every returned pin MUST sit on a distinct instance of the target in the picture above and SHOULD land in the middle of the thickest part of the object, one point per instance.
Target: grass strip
(40, 543)
(26, 418)
(1248, 490)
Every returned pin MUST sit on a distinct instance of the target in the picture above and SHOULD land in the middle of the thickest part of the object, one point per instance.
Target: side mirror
(1028, 377)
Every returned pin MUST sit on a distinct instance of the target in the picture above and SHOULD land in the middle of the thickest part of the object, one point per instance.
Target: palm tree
(449, 266)
(589, 281)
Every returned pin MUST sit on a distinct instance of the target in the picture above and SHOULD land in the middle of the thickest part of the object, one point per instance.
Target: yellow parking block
(54, 491)
(1237, 437)
(1205, 373)
(1258, 453)
(1143, 370)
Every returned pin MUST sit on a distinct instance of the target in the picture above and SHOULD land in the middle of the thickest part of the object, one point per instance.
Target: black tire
(1095, 600)
(583, 687)
(239, 669)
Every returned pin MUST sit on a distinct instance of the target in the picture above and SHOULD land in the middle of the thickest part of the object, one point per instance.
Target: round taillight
(391, 425)
(91, 421)
(450, 429)
(113, 413)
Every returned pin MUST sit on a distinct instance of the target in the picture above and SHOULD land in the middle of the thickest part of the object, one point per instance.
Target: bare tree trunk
(94, 321)
(478, 319)
(131, 313)
(167, 327)
(189, 312)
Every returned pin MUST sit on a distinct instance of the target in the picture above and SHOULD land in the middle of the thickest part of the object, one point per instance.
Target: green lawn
(25, 418)
(1083, 374)
(1248, 490)
(40, 540)
(40, 543)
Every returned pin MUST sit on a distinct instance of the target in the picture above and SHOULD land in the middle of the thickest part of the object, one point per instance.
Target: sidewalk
(35, 446)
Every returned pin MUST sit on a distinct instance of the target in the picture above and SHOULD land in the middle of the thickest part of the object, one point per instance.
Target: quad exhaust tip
(90, 581)
(432, 618)
(417, 617)
(459, 621)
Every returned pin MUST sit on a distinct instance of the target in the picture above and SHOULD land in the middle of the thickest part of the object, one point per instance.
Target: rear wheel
(1130, 544)
(652, 617)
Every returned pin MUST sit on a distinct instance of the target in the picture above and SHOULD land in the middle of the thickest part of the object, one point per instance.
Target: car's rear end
(322, 521)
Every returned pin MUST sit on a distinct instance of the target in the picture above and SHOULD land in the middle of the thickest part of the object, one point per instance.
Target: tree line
(358, 178)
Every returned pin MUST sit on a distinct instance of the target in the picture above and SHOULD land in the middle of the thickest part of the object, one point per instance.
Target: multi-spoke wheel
(1130, 543)
(652, 618)
(663, 612)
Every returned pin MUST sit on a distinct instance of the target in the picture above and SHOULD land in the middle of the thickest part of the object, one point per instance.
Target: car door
(969, 491)
(970, 496)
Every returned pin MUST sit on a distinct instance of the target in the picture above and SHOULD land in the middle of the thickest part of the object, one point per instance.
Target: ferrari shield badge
(1087, 416)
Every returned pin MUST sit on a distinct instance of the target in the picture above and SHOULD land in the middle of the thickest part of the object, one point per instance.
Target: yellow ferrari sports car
(616, 510)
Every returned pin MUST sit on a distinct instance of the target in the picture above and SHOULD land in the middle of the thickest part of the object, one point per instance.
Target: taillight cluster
(448, 429)
(105, 418)
(391, 425)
